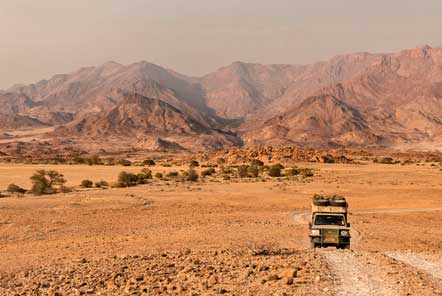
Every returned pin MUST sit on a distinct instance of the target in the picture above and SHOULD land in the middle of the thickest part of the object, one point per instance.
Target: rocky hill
(158, 124)
(386, 100)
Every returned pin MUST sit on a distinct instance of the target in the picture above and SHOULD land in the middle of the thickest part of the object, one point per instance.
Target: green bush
(191, 175)
(227, 170)
(124, 162)
(87, 184)
(208, 172)
(149, 162)
(253, 171)
(293, 171)
(386, 160)
(45, 182)
(275, 170)
(305, 172)
(172, 175)
(109, 161)
(159, 176)
(101, 184)
(147, 173)
(126, 179)
(12, 188)
(243, 171)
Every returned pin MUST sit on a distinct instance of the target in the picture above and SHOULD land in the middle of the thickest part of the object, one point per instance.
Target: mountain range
(357, 100)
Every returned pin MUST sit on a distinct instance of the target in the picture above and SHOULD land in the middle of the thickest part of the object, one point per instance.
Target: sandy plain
(237, 237)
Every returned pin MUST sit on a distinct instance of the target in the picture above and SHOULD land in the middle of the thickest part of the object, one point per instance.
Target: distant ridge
(389, 100)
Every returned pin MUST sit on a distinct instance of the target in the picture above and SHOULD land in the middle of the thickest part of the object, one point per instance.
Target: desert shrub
(208, 172)
(78, 160)
(12, 188)
(275, 170)
(56, 161)
(94, 160)
(147, 173)
(328, 158)
(124, 162)
(194, 163)
(126, 179)
(256, 163)
(141, 178)
(253, 171)
(109, 161)
(292, 171)
(87, 184)
(191, 175)
(45, 182)
(227, 170)
(305, 172)
(386, 160)
(101, 184)
(172, 175)
(167, 165)
(159, 176)
(243, 171)
(149, 162)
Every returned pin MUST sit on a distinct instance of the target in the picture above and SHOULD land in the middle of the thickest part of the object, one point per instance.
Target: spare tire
(338, 201)
(320, 201)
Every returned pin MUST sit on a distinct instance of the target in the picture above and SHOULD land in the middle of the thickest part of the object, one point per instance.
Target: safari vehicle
(329, 224)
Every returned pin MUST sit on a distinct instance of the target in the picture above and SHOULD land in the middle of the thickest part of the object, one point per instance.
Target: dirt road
(355, 277)
(360, 272)
(428, 264)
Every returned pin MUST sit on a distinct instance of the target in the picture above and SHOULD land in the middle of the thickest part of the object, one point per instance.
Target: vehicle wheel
(321, 202)
(338, 203)
(312, 245)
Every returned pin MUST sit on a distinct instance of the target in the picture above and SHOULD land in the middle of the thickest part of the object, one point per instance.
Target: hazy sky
(39, 38)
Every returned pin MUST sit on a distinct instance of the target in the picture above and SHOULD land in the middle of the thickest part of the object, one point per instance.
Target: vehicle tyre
(321, 202)
(338, 202)
(312, 245)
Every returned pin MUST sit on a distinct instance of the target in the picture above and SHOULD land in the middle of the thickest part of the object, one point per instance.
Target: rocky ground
(285, 272)
(224, 237)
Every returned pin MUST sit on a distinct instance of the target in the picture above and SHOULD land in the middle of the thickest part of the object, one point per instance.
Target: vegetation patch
(12, 188)
(47, 182)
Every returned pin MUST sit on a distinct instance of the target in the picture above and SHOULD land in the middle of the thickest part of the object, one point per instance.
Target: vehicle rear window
(329, 220)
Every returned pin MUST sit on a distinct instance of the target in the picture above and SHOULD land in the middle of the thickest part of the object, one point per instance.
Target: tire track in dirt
(427, 264)
(357, 273)
(356, 277)
(300, 217)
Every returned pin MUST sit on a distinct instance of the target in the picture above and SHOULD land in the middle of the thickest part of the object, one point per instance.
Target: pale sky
(40, 38)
